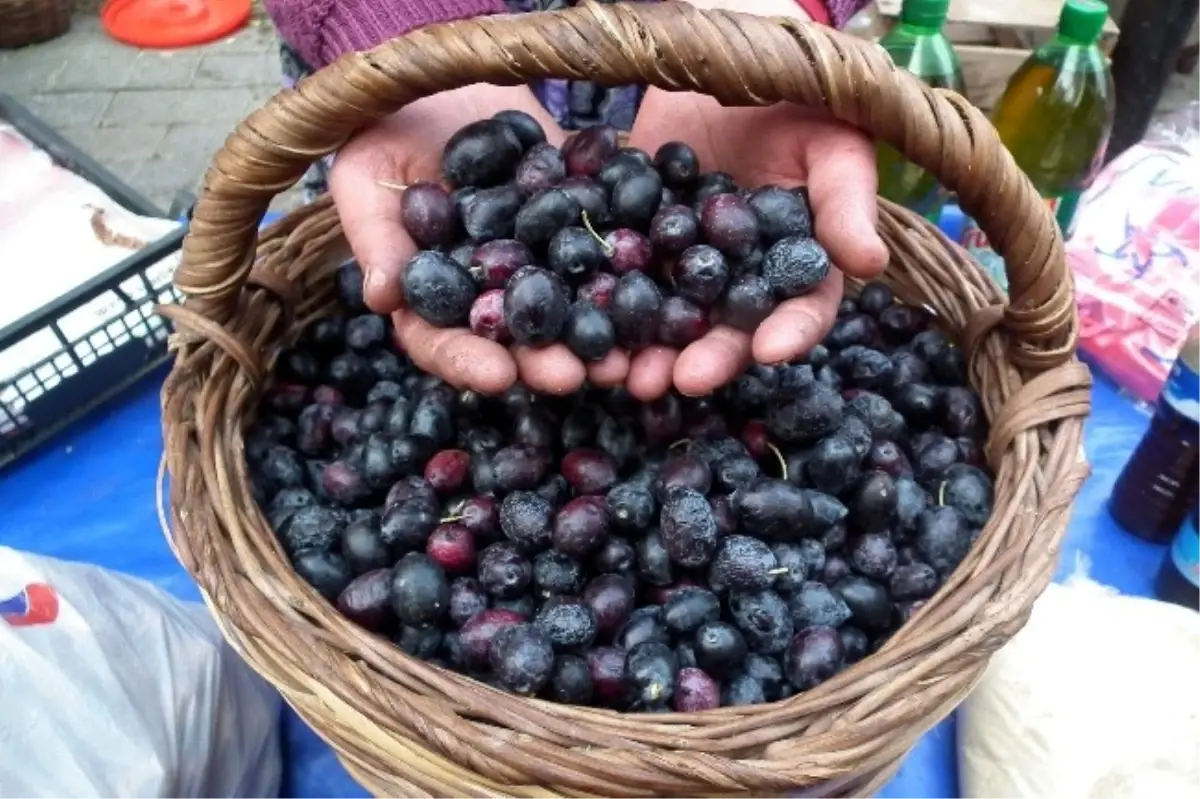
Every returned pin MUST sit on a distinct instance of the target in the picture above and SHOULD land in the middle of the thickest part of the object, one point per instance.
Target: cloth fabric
(315, 32)
(321, 30)
(1096, 696)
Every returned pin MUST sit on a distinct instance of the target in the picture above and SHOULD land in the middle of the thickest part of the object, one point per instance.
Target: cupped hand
(783, 145)
(365, 183)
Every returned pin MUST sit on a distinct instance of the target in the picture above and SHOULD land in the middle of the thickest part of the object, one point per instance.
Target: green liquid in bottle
(1055, 118)
(917, 45)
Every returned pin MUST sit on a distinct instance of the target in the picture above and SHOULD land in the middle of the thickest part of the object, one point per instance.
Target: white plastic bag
(1135, 254)
(1096, 697)
(111, 687)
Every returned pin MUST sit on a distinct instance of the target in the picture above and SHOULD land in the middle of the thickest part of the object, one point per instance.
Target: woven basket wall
(405, 728)
(24, 22)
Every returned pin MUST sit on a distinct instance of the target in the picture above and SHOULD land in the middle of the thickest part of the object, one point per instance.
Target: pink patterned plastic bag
(1135, 254)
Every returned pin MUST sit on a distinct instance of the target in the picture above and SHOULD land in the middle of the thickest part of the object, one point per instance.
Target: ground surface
(155, 118)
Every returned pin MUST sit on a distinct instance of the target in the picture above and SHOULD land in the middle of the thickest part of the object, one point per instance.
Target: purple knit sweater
(321, 30)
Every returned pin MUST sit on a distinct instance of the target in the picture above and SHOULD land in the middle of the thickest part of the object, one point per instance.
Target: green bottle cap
(925, 13)
(1082, 20)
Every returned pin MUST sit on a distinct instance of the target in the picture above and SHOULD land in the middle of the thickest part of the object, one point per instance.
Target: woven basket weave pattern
(406, 728)
(24, 22)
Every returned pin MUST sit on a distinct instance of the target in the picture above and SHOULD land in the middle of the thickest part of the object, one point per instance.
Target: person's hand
(785, 145)
(406, 148)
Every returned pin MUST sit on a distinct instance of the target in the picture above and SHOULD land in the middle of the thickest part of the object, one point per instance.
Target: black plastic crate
(82, 365)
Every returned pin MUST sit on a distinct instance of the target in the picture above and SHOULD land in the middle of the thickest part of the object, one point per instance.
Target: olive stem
(387, 184)
(779, 571)
(449, 519)
(779, 457)
(942, 493)
(680, 443)
(587, 225)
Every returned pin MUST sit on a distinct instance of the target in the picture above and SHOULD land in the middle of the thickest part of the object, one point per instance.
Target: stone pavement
(153, 117)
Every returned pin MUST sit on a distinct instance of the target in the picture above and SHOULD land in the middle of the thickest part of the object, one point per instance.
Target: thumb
(370, 216)
(840, 163)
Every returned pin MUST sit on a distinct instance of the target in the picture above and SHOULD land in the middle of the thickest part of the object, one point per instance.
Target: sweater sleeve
(840, 11)
(321, 30)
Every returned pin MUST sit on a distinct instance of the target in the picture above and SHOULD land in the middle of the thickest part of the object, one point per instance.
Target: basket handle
(737, 58)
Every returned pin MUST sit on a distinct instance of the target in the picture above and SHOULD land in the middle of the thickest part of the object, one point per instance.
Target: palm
(758, 145)
(784, 145)
(405, 148)
(754, 145)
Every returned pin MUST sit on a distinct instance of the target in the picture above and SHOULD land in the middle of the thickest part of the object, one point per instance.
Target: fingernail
(376, 280)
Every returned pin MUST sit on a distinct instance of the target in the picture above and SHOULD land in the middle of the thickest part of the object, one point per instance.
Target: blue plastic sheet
(89, 496)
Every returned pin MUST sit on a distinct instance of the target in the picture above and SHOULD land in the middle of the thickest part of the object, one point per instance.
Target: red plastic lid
(173, 23)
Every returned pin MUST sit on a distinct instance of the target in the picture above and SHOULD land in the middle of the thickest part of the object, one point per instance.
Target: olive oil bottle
(1055, 118)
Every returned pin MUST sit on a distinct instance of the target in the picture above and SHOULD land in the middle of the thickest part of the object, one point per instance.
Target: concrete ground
(156, 117)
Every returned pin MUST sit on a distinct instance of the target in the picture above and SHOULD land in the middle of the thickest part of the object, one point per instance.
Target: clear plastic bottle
(1055, 118)
(918, 45)
(866, 24)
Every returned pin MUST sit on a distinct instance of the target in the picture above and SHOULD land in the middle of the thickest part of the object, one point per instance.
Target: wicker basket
(405, 728)
(25, 22)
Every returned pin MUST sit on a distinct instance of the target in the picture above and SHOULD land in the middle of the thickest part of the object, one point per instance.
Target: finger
(713, 361)
(610, 371)
(797, 325)
(370, 216)
(459, 357)
(550, 370)
(842, 183)
(650, 373)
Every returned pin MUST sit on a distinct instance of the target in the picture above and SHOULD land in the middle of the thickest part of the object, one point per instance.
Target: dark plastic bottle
(1158, 486)
(1179, 578)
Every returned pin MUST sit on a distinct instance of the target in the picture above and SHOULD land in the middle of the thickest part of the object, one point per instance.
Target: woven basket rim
(404, 727)
(25, 22)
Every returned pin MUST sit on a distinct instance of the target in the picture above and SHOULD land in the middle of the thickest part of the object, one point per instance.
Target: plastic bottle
(918, 45)
(1055, 118)
(866, 24)
(1179, 578)
(1158, 486)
